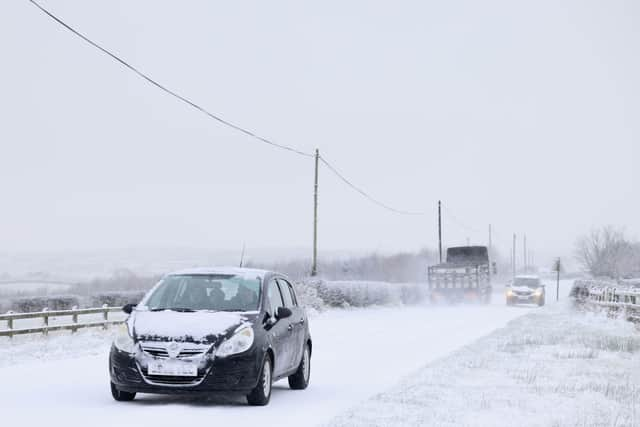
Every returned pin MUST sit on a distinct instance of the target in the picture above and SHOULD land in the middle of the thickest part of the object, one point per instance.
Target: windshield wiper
(179, 309)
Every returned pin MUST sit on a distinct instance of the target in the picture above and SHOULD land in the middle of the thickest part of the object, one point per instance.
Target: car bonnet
(207, 327)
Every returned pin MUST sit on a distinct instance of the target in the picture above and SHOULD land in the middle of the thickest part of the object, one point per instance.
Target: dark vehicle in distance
(526, 290)
(465, 276)
(229, 330)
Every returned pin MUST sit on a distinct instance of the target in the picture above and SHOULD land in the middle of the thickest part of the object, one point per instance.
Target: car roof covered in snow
(236, 271)
(527, 276)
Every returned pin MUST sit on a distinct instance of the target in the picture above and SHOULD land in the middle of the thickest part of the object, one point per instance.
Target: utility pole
(511, 257)
(440, 230)
(314, 265)
(514, 255)
(524, 254)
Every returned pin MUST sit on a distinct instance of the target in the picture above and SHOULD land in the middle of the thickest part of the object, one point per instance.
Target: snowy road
(356, 354)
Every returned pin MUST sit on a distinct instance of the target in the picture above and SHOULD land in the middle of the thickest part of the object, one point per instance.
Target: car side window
(293, 294)
(286, 293)
(275, 298)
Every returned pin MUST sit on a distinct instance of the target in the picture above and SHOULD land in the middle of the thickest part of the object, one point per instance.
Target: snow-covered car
(231, 330)
(525, 290)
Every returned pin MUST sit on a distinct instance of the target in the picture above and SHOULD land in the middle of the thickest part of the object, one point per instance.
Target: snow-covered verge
(551, 367)
(58, 345)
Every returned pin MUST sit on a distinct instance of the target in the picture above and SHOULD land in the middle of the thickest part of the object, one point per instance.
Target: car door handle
(290, 328)
(301, 321)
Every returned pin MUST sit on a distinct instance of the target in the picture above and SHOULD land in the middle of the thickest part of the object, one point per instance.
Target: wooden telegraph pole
(314, 264)
(557, 266)
(524, 254)
(514, 255)
(440, 230)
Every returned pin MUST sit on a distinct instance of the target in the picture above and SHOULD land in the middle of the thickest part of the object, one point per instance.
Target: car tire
(261, 394)
(121, 396)
(300, 379)
(541, 302)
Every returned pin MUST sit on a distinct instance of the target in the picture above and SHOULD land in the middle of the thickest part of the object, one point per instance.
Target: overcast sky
(525, 115)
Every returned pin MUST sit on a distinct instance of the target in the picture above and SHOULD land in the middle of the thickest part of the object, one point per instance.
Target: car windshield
(205, 292)
(531, 282)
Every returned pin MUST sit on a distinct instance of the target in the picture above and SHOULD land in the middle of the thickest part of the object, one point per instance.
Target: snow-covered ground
(63, 380)
(551, 367)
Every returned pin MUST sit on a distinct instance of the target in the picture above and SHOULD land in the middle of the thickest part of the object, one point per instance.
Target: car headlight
(123, 341)
(239, 342)
(538, 291)
(509, 292)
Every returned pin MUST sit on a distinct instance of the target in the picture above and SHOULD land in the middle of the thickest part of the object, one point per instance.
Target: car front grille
(159, 350)
(171, 380)
(523, 294)
(162, 353)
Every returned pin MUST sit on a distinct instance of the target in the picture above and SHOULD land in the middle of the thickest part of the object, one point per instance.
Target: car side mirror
(128, 308)
(283, 313)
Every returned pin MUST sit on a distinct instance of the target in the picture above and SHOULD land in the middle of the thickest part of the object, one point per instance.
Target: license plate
(172, 368)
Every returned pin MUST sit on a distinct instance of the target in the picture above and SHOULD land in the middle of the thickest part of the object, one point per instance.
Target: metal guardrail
(617, 298)
(46, 314)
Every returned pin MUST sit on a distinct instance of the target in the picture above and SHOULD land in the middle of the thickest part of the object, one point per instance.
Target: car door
(297, 321)
(279, 331)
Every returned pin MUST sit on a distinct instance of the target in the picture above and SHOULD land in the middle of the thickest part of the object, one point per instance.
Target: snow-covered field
(63, 380)
(551, 367)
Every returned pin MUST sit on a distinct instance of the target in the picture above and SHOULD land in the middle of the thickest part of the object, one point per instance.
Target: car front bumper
(234, 374)
(525, 299)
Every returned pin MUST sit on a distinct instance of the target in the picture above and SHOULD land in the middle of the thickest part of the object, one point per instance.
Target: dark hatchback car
(230, 330)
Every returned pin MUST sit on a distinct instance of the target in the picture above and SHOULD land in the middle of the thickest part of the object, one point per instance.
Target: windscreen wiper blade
(179, 309)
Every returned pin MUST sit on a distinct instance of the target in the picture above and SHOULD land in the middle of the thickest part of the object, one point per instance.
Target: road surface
(357, 353)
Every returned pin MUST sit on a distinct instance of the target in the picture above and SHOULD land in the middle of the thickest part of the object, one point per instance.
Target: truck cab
(465, 276)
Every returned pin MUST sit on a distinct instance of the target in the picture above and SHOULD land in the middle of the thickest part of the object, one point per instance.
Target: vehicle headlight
(509, 292)
(239, 342)
(538, 291)
(123, 341)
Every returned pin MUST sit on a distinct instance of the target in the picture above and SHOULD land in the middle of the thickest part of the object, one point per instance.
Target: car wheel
(261, 394)
(300, 379)
(121, 396)
(541, 302)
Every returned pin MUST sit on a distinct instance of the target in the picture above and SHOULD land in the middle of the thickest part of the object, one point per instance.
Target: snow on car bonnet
(196, 326)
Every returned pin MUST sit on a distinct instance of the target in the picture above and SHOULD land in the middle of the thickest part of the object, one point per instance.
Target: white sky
(522, 115)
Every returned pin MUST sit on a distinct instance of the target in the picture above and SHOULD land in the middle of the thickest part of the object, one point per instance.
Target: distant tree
(606, 252)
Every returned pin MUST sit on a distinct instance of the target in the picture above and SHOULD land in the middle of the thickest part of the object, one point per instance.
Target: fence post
(105, 315)
(45, 317)
(10, 324)
(74, 319)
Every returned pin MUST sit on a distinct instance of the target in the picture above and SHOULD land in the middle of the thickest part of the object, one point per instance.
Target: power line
(214, 116)
(365, 194)
(165, 89)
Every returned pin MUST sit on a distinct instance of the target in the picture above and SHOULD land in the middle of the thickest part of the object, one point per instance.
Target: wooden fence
(46, 315)
(616, 298)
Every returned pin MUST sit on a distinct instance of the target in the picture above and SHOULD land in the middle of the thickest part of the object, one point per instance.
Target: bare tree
(606, 252)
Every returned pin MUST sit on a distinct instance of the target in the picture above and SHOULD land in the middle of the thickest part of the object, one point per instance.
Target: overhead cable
(165, 89)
